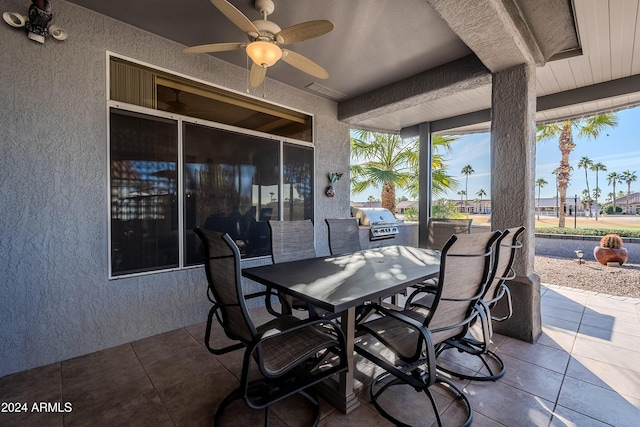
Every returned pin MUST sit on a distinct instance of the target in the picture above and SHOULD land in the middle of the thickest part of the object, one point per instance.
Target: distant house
(472, 206)
(376, 204)
(550, 205)
(401, 207)
(634, 203)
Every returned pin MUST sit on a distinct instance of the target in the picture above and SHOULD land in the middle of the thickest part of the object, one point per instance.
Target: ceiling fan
(265, 41)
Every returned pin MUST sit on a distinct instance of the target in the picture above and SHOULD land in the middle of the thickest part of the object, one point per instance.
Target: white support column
(513, 153)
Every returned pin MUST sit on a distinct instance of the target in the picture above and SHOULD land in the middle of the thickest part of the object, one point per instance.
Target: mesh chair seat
(283, 352)
(398, 336)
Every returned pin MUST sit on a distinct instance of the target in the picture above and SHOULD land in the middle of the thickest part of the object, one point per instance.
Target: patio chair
(493, 367)
(405, 343)
(439, 230)
(292, 241)
(291, 354)
(344, 235)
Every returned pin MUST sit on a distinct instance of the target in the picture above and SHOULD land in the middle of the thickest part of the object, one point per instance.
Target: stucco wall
(565, 245)
(56, 301)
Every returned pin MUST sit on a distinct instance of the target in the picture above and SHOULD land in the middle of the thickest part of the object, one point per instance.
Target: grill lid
(381, 221)
(374, 217)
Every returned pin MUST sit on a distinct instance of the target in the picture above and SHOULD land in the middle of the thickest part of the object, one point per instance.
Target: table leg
(340, 394)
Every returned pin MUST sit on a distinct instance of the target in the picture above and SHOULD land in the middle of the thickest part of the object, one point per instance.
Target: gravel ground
(590, 275)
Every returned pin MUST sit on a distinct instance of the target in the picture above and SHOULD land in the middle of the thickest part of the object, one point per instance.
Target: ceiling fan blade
(257, 75)
(235, 16)
(304, 64)
(216, 47)
(305, 31)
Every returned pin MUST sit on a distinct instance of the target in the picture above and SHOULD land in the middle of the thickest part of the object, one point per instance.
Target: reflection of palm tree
(597, 167)
(589, 127)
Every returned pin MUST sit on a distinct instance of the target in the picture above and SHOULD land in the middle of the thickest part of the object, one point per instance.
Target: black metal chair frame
(276, 384)
(409, 369)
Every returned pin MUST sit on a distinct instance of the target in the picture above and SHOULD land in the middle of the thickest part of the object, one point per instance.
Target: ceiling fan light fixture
(264, 53)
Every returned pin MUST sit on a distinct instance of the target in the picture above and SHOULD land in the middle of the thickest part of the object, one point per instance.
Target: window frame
(181, 120)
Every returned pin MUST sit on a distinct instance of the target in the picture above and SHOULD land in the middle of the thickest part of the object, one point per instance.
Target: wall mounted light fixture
(37, 22)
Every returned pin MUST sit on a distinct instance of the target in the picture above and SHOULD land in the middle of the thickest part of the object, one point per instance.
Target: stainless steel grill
(382, 223)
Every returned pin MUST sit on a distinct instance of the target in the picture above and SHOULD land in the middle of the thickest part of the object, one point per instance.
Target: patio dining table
(338, 284)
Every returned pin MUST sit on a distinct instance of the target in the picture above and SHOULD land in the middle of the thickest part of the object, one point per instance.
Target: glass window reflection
(231, 185)
(144, 205)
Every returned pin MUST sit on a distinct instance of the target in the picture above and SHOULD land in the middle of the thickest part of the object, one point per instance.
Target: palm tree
(629, 177)
(597, 167)
(387, 161)
(589, 127)
(540, 182)
(596, 193)
(462, 193)
(612, 179)
(481, 193)
(441, 181)
(586, 199)
(610, 196)
(466, 171)
(555, 172)
(585, 163)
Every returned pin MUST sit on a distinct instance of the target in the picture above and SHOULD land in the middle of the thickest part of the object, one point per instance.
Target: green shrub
(411, 214)
(588, 231)
(443, 208)
(609, 209)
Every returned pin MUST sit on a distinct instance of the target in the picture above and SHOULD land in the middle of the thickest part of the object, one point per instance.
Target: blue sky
(618, 148)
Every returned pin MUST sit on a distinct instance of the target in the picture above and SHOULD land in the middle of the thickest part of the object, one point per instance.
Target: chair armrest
(424, 331)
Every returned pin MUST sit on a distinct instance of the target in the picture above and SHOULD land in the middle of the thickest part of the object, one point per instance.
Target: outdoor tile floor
(583, 371)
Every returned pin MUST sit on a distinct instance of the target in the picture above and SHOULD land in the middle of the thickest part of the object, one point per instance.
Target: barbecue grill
(381, 222)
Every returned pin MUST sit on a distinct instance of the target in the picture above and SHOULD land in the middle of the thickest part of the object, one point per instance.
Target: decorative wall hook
(333, 178)
(37, 23)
